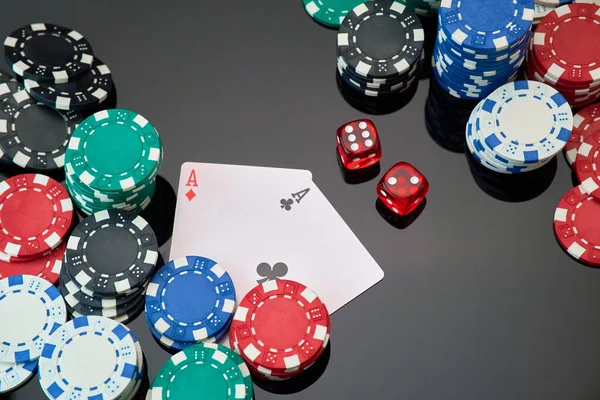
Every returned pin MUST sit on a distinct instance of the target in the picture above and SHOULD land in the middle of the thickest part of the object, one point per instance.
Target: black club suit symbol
(286, 204)
(278, 270)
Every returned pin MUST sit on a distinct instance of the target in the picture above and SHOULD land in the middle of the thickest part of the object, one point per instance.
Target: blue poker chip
(526, 140)
(176, 345)
(31, 310)
(110, 347)
(480, 45)
(499, 138)
(486, 26)
(13, 376)
(190, 299)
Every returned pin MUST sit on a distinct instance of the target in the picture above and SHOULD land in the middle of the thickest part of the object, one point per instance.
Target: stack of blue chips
(480, 45)
(189, 300)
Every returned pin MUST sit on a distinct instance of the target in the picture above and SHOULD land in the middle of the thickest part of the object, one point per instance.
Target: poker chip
(585, 122)
(190, 299)
(540, 10)
(202, 371)
(48, 52)
(588, 161)
(112, 161)
(329, 13)
(47, 267)
(35, 215)
(553, 59)
(576, 225)
(281, 328)
(14, 376)
(109, 312)
(178, 345)
(112, 374)
(111, 253)
(123, 319)
(74, 290)
(35, 310)
(480, 45)
(379, 47)
(89, 89)
(501, 140)
(33, 135)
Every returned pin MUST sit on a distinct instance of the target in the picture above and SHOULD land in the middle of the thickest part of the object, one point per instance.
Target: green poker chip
(112, 161)
(330, 13)
(114, 150)
(204, 371)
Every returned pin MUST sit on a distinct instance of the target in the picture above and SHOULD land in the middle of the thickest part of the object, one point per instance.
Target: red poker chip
(47, 267)
(35, 215)
(264, 374)
(281, 326)
(576, 222)
(587, 167)
(566, 44)
(585, 122)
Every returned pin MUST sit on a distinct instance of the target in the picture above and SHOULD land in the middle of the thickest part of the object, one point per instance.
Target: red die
(358, 144)
(402, 188)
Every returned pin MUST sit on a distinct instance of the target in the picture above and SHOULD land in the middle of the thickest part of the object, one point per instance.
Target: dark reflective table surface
(479, 301)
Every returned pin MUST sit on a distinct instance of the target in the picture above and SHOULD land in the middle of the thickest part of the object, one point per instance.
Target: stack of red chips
(565, 53)
(280, 329)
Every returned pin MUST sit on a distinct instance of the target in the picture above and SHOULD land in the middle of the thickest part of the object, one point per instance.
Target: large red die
(358, 144)
(402, 188)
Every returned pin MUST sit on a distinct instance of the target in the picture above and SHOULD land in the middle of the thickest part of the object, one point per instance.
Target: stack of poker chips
(36, 215)
(117, 370)
(112, 161)
(585, 123)
(60, 87)
(189, 300)
(501, 140)
(575, 217)
(564, 52)
(110, 257)
(31, 310)
(70, 77)
(280, 329)
(478, 48)
(203, 371)
(379, 46)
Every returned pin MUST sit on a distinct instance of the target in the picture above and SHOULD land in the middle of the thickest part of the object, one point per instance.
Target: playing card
(268, 223)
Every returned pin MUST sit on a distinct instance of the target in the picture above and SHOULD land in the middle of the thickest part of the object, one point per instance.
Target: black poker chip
(112, 252)
(48, 52)
(380, 39)
(88, 90)
(33, 135)
(70, 287)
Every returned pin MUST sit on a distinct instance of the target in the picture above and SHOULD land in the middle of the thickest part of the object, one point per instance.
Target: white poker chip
(531, 140)
(89, 357)
(13, 376)
(31, 309)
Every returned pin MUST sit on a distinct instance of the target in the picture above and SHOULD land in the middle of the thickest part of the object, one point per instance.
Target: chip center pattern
(278, 332)
(23, 316)
(35, 211)
(76, 362)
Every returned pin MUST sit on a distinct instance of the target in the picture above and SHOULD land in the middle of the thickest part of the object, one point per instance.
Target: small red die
(358, 144)
(402, 188)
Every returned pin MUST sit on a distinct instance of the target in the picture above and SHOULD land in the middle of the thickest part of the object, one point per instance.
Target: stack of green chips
(112, 161)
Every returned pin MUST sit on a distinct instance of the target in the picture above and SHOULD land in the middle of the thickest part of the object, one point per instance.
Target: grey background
(478, 302)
